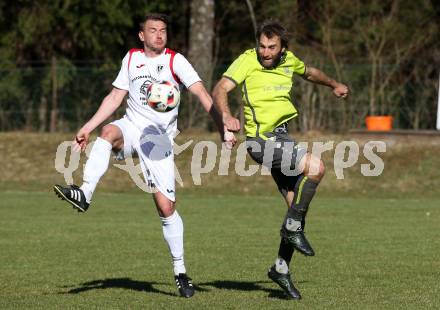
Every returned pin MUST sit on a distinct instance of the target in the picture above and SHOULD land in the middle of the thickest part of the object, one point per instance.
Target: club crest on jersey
(159, 68)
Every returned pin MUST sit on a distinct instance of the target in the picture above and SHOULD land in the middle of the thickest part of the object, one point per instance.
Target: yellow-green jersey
(266, 92)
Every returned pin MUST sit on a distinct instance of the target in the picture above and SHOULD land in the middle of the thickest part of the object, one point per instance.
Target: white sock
(293, 225)
(96, 166)
(172, 228)
(281, 266)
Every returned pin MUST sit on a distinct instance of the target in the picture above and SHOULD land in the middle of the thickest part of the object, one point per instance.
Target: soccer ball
(163, 97)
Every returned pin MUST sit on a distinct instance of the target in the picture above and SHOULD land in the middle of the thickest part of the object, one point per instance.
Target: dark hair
(154, 16)
(272, 28)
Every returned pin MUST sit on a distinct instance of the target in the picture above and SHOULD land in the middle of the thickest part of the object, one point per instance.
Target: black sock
(285, 251)
(305, 189)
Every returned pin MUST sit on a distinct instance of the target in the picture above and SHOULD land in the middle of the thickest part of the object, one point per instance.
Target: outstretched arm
(220, 95)
(205, 99)
(108, 105)
(317, 76)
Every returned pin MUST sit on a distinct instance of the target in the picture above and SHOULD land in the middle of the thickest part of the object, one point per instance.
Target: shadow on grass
(148, 287)
(125, 283)
(246, 286)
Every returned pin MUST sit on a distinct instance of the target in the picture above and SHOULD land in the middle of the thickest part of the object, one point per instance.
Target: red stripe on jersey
(172, 53)
(133, 50)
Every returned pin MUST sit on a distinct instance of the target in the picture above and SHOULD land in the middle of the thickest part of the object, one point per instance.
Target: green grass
(372, 253)
(376, 238)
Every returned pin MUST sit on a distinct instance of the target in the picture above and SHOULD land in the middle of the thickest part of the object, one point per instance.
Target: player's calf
(293, 227)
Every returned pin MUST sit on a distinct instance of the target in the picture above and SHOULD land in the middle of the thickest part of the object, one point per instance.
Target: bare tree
(390, 41)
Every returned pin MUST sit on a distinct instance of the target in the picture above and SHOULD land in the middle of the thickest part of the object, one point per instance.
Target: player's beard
(275, 61)
(157, 50)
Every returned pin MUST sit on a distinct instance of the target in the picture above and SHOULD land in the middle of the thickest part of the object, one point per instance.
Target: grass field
(372, 253)
(376, 238)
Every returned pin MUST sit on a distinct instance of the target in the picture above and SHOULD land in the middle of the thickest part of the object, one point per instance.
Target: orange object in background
(379, 123)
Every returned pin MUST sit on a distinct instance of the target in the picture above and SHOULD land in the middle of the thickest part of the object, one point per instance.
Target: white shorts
(155, 150)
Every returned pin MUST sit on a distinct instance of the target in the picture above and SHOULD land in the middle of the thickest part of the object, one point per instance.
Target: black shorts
(280, 153)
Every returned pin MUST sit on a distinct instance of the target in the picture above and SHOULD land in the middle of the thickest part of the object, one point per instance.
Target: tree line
(59, 57)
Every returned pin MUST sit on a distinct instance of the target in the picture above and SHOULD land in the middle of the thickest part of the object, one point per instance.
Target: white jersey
(138, 71)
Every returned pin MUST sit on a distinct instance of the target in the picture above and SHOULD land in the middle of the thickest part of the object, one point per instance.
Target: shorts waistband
(283, 128)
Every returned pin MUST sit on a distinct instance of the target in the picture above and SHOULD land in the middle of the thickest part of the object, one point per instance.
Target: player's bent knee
(166, 210)
(315, 168)
(108, 133)
(111, 133)
(319, 169)
(164, 206)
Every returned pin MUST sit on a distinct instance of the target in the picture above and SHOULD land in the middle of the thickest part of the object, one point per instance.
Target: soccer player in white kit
(145, 131)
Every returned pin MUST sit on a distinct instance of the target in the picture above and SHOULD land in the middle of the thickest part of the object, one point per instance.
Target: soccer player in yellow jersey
(265, 74)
